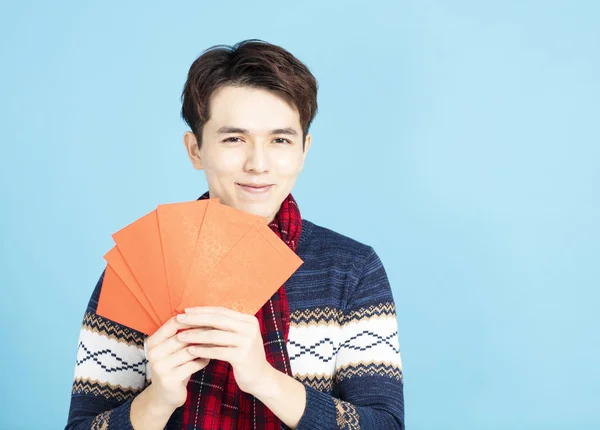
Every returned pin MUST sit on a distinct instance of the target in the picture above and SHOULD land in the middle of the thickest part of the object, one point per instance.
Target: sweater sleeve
(110, 370)
(368, 390)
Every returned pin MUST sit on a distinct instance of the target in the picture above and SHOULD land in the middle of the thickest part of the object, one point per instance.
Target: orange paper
(188, 254)
(117, 263)
(179, 225)
(222, 229)
(247, 276)
(139, 243)
(117, 303)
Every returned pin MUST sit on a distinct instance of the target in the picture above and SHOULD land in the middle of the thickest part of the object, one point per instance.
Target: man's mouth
(255, 188)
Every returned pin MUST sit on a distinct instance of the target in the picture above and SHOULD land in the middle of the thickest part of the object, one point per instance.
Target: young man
(322, 353)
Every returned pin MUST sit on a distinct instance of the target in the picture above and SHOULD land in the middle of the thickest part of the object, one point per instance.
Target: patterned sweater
(343, 346)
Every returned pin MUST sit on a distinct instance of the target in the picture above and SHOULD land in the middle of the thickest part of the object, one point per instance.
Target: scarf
(214, 401)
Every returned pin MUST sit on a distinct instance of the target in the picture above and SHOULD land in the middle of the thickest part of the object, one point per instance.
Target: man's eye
(231, 139)
(282, 140)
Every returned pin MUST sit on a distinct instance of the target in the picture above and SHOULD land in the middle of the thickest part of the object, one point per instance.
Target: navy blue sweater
(343, 346)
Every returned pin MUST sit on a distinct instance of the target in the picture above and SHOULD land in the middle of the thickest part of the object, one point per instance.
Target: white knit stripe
(312, 348)
(107, 360)
(148, 373)
(369, 340)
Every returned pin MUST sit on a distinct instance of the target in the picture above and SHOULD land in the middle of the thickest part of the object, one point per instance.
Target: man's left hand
(218, 333)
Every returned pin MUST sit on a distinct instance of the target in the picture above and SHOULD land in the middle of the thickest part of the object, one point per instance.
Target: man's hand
(171, 365)
(223, 334)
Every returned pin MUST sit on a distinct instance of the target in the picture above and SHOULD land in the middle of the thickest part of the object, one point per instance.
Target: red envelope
(199, 253)
(179, 225)
(140, 246)
(247, 276)
(117, 263)
(118, 304)
(222, 229)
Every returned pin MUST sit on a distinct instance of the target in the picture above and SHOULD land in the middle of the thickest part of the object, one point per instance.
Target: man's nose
(257, 158)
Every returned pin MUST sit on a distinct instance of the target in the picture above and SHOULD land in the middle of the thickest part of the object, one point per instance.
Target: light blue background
(462, 137)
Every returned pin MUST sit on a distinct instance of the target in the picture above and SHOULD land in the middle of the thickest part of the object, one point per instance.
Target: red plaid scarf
(214, 400)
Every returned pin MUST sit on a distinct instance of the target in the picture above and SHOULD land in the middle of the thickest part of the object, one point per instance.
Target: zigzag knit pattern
(361, 341)
(95, 388)
(100, 325)
(105, 359)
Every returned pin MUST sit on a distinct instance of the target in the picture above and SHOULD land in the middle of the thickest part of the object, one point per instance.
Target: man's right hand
(171, 366)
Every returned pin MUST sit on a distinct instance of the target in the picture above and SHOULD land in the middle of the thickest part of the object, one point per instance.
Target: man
(322, 353)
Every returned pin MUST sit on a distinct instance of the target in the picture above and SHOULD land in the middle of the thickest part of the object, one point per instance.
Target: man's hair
(250, 63)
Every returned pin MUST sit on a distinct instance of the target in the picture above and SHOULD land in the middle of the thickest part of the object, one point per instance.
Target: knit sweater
(343, 346)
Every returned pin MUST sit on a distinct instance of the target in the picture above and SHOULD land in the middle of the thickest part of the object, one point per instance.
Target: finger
(169, 346)
(171, 363)
(164, 332)
(210, 337)
(178, 358)
(218, 310)
(215, 320)
(189, 368)
(214, 353)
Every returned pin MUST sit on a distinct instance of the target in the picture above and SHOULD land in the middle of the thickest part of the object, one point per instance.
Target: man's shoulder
(322, 239)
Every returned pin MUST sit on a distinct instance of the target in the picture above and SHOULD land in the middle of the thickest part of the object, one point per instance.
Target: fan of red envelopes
(198, 253)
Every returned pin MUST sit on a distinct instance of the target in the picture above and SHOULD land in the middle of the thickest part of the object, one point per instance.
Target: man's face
(251, 149)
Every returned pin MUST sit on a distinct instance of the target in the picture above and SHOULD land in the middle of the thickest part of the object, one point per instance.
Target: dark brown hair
(253, 63)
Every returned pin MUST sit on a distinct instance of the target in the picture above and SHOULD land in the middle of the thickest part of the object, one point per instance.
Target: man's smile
(255, 189)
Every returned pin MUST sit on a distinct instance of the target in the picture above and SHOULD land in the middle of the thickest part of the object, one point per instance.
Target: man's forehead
(230, 102)
(256, 123)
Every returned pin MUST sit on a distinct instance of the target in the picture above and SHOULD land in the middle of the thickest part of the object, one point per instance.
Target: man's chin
(260, 210)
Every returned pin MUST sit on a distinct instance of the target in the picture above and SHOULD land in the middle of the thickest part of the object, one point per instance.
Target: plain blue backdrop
(463, 137)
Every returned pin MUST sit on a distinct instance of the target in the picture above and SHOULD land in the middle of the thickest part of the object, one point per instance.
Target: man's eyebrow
(287, 130)
(229, 129)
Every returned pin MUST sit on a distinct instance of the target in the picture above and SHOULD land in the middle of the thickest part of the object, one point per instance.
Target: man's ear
(191, 146)
(307, 141)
